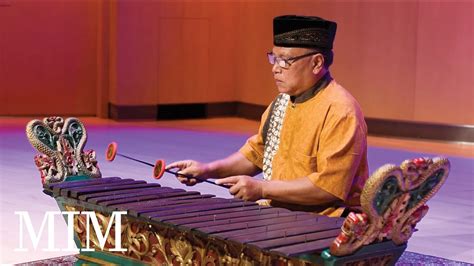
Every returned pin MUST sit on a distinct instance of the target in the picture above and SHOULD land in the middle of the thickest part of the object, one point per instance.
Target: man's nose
(276, 68)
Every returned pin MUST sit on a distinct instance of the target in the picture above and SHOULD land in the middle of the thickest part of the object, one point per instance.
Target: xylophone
(213, 229)
(170, 226)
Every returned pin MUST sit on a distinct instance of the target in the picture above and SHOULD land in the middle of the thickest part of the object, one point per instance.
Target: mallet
(159, 168)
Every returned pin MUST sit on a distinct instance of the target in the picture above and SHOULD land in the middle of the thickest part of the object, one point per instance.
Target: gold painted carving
(393, 202)
(161, 245)
(61, 143)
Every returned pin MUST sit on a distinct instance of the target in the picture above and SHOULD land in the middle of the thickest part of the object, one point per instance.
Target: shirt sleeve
(254, 147)
(342, 143)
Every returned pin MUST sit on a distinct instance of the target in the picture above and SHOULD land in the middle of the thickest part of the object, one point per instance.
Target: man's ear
(318, 63)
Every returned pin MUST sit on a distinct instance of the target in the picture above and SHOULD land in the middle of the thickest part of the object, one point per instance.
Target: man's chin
(282, 89)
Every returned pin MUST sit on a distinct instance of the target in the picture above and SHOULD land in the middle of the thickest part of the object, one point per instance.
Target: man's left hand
(243, 187)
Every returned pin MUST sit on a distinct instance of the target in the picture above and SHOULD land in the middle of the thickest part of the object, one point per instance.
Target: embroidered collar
(311, 92)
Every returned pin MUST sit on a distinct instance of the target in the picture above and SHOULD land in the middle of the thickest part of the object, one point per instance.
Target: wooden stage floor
(447, 230)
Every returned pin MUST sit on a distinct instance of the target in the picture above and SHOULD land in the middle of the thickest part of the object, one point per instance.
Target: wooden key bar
(223, 216)
(297, 239)
(90, 188)
(124, 193)
(56, 188)
(136, 184)
(295, 230)
(156, 216)
(226, 211)
(147, 197)
(240, 226)
(167, 202)
(273, 215)
(271, 227)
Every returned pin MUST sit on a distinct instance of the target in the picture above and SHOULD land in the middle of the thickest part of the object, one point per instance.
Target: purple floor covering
(447, 231)
(407, 258)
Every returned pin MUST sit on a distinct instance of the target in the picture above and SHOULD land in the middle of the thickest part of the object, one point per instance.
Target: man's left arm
(300, 191)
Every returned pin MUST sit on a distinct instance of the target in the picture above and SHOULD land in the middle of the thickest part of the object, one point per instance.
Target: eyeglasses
(285, 62)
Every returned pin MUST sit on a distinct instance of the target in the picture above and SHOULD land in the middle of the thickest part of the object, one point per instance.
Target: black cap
(301, 31)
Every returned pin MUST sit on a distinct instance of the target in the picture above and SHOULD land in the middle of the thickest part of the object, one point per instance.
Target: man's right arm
(235, 164)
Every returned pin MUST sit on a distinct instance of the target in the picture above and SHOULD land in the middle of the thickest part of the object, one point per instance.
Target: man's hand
(243, 187)
(190, 168)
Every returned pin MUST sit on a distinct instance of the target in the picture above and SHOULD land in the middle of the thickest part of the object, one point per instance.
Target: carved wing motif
(393, 202)
(61, 143)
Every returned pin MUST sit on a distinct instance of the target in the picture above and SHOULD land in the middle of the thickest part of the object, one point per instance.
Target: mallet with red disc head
(159, 168)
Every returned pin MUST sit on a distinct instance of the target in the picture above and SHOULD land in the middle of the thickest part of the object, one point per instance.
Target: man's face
(298, 76)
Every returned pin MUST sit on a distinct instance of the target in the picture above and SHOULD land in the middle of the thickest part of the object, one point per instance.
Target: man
(312, 140)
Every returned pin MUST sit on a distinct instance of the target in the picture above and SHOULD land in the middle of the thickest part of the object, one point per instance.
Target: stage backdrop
(402, 60)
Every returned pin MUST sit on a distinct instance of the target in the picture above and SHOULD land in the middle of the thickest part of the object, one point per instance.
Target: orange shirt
(323, 137)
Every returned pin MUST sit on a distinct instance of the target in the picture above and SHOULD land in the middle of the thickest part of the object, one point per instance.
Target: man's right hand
(190, 168)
